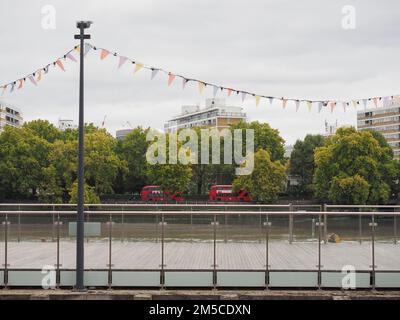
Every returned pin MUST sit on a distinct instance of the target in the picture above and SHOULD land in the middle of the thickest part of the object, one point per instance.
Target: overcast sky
(288, 48)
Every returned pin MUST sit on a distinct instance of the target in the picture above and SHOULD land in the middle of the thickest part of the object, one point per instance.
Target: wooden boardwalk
(199, 255)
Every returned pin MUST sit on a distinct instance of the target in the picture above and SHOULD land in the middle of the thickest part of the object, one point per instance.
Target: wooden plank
(199, 255)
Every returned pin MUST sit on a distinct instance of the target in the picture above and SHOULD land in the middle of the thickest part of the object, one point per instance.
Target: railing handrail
(206, 213)
(148, 205)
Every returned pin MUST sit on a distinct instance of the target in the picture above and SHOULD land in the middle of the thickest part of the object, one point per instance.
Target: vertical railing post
(267, 226)
(325, 224)
(291, 223)
(123, 224)
(58, 275)
(359, 227)
(373, 225)
(19, 223)
(395, 229)
(110, 265)
(320, 224)
(260, 226)
(225, 226)
(6, 251)
(214, 223)
(162, 274)
(191, 224)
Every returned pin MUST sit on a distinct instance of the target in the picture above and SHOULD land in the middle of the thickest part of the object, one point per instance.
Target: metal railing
(262, 226)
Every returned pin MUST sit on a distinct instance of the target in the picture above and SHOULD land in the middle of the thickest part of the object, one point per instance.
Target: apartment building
(215, 114)
(10, 116)
(386, 120)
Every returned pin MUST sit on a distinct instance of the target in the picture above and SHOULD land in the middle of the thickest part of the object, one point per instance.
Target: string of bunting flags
(37, 75)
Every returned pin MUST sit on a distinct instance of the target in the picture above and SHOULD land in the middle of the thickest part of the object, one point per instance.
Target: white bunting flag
(215, 90)
(121, 61)
(297, 102)
(154, 73)
(32, 79)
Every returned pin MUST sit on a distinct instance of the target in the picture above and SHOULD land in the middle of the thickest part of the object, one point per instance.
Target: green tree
(24, 157)
(90, 195)
(354, 159)
(302, 163)
(43, 129)
(102, 164)
(265, 138)
(171, 177)
(133, 149)
(266, 181)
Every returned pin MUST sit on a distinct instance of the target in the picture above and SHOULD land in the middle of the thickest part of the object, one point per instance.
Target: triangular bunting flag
(21, 83)
(297, 102)
(32, 79)
(104, 53)
(138, 66)
(87, 49)
(257, 100)
(39, 76)
(284, 102)
(154, 73)
(121, 61)
(270, 100)
(46, 69)
(309, 105)
(201, 86)
(344, 105)
(365, 103)
(171, 78)
(184, 81)
(375, 100)
(354, 104)
(215, 90)
(71, 57)
(386, 101)
(332, 105)
(229, 92)
(60, 64)
(243, 96)
(320, 104)
(12, 87)
(77, 49)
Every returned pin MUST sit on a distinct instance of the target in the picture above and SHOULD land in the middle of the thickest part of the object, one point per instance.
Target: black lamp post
(81, 25)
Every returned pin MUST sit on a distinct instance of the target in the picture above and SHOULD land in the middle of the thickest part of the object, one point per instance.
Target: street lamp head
(83, 24)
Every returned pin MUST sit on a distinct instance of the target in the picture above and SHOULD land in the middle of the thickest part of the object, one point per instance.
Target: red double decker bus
(156, 194)
(225, 193)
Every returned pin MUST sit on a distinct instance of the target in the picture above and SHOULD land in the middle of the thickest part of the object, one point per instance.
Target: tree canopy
(302, 163)
(354, 167)
(266, 181)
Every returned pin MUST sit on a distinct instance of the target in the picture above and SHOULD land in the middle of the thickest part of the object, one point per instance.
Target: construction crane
(104, 121)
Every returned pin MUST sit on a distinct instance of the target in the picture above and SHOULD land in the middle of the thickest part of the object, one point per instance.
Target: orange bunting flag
(201, 86)
(284, 102)
(332, 105)
(104, 53)
(229, 92)
(354, 104)
(309, 105)
(375, 100)
(77, 49)
(171, 78)
(21, 82)
(138, 66)
(39, 76)
(60, 64)
(257, 100)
